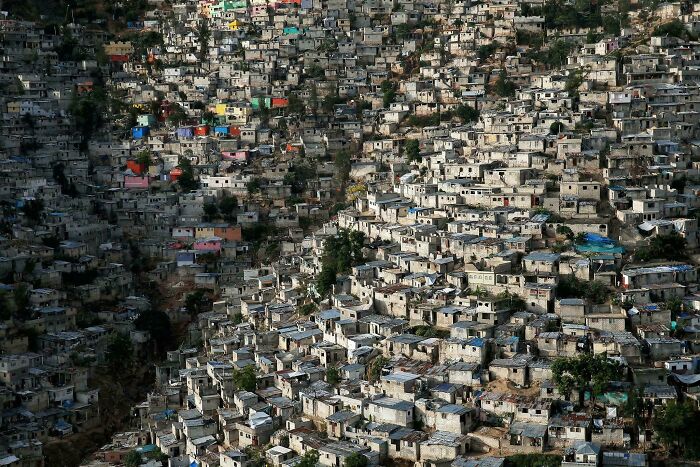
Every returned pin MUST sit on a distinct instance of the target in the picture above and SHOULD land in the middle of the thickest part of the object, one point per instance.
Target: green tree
(611, 24)
(532, 39)
(326, 280)
(340, 253)
(572, 287)
(21, 300)
(294, 104)
(254, 186)
(356, 460)
(157, 324)
(412, 150)
(375, 368)
(388, 89)
(132, 459)
(7, 306)
(187, 181)
(675, 306)
(566, 231)
(573, 81)
(307, 309)
(556, 127)
(119, 352)
(485, 51)
(428, 120)
(467, 113)
(59, 175)
(33, 209)
(176, 114)
(556, 54)
(315, 72)
(330, 101)
(227, 207)
(299, 176)
(503, 86)
(144, 158)
(309, 459)
(679, 184)
(245, 379)
(675, 28)
(670, 246)
(88, 111)
(313, 98)
(634, 406)
(343, 165)
(332, 375)
(425, 331)
(203, 37)
(675, 425)
(208, 117)
(196, 302)
(584, 372)
(211, 211)
(401, 31)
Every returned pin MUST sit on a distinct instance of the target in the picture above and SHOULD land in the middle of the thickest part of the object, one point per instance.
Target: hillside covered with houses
(349, 233)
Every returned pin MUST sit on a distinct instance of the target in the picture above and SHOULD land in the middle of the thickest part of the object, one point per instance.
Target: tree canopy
(119, 352)
(343, 165)
(187, 181)
(388, 92)
(675, 425)
(573, 287)
(503, 86)
(356, 460)
(157, 324)
(132, 459)
(340, 253)
(227, 207)
(197, 302)
(584, 372)
(374, 371)
(33, 209)
(467, 113)
(88, 111)
(245, 379)
(670, 246)
(412, 150)
(309, 459)
(332, 375)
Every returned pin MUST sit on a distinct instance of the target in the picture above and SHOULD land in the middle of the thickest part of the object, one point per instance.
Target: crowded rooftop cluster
(349, 233)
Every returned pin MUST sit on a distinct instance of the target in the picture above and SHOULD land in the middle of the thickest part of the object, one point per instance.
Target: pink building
(131, 181)
(211, 244)
(238, 156)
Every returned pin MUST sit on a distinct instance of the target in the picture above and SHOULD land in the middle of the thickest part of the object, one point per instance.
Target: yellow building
(119, 48)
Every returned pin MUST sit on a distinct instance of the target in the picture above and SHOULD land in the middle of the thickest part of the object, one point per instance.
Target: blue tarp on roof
(598, 244)
(147, 448)
(595, 238)
(62, 425)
